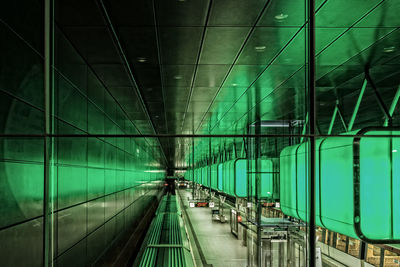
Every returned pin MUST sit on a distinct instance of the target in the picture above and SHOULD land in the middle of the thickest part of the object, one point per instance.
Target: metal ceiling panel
(181, 13)
(93, 43)
(337, 13)
(178, 75)
(148, 77)
(263, 44)
(180, 45)
(385, 15)
(221, 44)
(140, 44)
(78, 13)
(210, 75)
(235, 12)
(284, 14)
(131, 13)
(113, 75)
(243, 75)
(204, 94)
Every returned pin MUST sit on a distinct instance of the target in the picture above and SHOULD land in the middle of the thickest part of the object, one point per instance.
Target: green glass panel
(378, 198)
(220, 176)
(336, 163)
(214, 176)
(288, 181)
(240, 177)
(267, 179)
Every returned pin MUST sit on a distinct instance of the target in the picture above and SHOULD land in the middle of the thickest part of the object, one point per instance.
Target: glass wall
(96, 189)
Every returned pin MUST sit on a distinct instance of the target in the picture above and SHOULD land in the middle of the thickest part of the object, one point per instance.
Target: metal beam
(393, 106)
(357, 107)
(333, 119)
(378, 97)
(128, 68)
(342, 118)
(304, 128)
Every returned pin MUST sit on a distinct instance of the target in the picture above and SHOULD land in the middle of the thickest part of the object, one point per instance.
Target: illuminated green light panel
(379, 187)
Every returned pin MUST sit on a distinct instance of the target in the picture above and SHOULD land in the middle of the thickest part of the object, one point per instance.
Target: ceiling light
(260, 48)
(279, 123)
(394, 150)
(149, 89)
(389, 49)
(141, 59)
(281, 16)
(177, 77)
(234, 84)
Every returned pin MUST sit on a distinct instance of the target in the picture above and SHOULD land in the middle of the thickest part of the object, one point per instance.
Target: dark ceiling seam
(161, 71)
(128, 68)
(233, 63)
(362, 17)
(197, 63)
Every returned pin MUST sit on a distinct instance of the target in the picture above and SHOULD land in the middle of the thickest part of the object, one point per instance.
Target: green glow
(231, 177)
(379, 184)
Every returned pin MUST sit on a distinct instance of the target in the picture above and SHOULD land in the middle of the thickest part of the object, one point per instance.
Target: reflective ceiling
(210, 67)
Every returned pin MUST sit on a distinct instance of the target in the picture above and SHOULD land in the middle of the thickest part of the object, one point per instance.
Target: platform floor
(219, 247)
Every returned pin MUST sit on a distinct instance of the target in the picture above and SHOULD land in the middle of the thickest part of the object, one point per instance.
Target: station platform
(212, 242)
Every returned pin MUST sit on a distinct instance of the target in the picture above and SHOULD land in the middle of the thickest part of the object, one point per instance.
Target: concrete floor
(219, 247)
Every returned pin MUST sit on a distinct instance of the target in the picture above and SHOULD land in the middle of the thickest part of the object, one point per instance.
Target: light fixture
(394, 150)
(177, 77)
(389, 49)
(142, 59)
(260, 48)
(279, 123)
(149, 89)
(234, 84)
(281, 16)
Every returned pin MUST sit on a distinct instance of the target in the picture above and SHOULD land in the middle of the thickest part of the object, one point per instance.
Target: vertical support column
(257, 171)
(48, 190)
(209, 166)
(193, 185)
(382, 258)
(312, 123)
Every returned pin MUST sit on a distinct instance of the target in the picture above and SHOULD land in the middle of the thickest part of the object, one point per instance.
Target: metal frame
(48, 139)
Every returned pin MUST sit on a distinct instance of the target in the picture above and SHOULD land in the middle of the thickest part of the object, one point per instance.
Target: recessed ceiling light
(260, 48)
(389, 49)
(177, 77)
(281, 16)
(394, 150)
(141, 59)
(234, 84)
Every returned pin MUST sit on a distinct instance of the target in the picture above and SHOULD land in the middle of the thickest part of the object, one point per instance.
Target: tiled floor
(219, 246)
